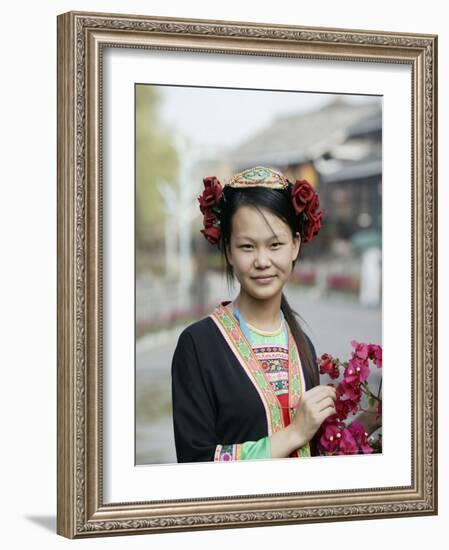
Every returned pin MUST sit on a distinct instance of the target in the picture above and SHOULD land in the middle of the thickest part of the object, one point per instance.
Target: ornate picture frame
(82, 40)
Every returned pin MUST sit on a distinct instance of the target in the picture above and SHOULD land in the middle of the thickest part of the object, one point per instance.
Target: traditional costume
(229, 396)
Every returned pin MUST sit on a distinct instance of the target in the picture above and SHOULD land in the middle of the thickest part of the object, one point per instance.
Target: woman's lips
(264, 280)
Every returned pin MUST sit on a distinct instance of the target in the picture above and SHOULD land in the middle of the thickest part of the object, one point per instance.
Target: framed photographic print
(151, 110)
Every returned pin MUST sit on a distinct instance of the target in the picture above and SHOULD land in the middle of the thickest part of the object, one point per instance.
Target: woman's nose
(262, 259)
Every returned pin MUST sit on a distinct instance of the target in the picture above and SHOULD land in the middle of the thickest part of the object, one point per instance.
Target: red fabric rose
(302, 193)
(209, 218)
(311, 228)
(211, 195)
(312, 208)
(209, 200)
(212, 234)
(305, 201)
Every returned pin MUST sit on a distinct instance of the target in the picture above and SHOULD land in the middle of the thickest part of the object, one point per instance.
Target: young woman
(245, 383)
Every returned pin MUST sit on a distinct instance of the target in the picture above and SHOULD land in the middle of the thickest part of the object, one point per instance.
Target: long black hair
(278, 202)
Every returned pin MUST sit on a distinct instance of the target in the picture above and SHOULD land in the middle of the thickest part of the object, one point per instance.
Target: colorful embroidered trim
(249, 450)
(227, 453)
(230, 329)
(244, 353)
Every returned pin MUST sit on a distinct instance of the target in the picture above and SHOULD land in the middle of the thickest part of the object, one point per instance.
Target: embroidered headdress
(304, 199)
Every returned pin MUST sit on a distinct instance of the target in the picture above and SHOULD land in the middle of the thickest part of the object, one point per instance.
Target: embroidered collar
(239, 344)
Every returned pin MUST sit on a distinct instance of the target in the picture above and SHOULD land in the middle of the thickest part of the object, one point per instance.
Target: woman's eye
(246, 246)
(276, 245)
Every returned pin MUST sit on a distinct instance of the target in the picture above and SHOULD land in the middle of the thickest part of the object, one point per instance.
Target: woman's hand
(312, 410)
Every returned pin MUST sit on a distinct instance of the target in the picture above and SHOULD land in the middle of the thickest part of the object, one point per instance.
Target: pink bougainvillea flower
(352, 439)
(330, 438)
(360, 436)
(357, 429)
(328, 365)
(342, 408)
(353, 404)
(357, 369)
(350, 375)
(375, 353)
(348, 444)
(352, 389)
(361, 350)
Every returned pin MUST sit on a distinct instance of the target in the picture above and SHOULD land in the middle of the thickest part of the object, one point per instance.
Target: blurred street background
(184, 134)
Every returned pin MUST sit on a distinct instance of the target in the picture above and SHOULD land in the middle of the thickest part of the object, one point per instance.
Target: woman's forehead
(257, 222)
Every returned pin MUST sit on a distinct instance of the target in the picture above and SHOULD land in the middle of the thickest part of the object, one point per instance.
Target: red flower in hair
(302, 193)
(209, 200)
(311, 227)
(306, 202)
(209, 218)
(211, 195)
(312, 208)
(212, 234)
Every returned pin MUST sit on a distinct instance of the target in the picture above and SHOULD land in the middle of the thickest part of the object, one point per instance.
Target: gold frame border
(81, 37)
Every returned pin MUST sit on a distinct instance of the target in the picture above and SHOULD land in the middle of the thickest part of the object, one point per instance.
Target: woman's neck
(261, 314)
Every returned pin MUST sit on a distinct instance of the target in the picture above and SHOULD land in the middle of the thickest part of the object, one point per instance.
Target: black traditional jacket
(224, 407)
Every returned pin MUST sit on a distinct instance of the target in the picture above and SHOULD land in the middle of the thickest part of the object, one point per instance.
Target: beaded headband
(259, 177)
(304, 199)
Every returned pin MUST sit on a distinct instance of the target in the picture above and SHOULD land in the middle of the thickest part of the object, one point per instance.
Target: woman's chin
(264, 292)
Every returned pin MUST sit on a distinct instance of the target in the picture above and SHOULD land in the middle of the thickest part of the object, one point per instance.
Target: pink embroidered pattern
(226, 453)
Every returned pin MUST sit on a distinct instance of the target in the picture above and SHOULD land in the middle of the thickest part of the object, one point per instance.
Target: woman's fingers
(325, 393)
(325, 403)
(319, 392)
(325, 413)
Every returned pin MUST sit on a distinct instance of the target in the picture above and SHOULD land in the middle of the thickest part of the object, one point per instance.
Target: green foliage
(156, 160)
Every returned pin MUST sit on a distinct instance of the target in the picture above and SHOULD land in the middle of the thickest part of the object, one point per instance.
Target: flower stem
(368, 392)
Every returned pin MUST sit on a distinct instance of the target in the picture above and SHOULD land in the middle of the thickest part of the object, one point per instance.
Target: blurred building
(338, 149)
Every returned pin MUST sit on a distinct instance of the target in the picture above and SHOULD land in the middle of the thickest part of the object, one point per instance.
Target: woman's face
(261, 252)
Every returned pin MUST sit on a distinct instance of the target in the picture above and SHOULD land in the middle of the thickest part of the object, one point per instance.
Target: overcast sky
(227, 117)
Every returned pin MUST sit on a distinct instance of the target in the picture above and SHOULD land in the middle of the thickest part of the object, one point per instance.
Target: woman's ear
(296, 246)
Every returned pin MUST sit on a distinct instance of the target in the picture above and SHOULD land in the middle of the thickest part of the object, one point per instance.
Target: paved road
(331, 323)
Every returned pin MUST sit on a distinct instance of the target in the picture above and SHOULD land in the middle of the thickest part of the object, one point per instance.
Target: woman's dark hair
(279, 203)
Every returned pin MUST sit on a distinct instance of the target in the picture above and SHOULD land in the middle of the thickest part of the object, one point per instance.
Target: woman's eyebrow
(273, 237)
